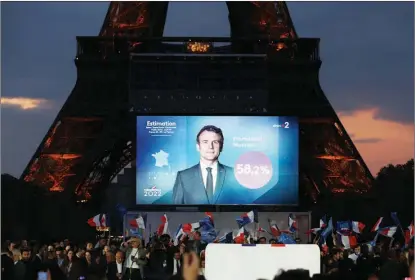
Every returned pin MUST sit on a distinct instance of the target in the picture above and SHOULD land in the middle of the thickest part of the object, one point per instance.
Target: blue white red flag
(239, 237)
(292, 223)
(376, 226)
(388, 231)
(358, 226)
(99, 220)
(248, 218)
(164, 226)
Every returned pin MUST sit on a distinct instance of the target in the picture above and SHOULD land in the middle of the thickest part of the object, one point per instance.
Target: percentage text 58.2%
(251, 169)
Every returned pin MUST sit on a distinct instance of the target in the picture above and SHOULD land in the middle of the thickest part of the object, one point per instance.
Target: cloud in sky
(25, 103)
(380, 142)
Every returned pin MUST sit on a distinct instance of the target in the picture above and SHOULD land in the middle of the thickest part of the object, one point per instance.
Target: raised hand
(191, 266)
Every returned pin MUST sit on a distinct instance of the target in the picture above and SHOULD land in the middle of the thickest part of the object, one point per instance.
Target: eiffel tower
(91, 139)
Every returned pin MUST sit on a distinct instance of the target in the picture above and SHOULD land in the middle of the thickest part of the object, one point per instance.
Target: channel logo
(153, 191)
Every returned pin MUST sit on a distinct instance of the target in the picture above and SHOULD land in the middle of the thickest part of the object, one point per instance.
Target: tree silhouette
(394, 190)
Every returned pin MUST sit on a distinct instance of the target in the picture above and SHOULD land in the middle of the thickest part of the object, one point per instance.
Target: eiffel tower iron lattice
(91, 139)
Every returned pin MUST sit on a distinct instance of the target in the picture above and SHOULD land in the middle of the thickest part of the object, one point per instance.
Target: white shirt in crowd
(119, 267)
(128, 262)
(205, 173)
(176, 265)
(353, 257)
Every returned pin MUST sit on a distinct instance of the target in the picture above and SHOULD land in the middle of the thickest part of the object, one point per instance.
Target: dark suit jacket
(7, 266)
(170, 266)
(190, 189)
(112, 271)
(19, 271)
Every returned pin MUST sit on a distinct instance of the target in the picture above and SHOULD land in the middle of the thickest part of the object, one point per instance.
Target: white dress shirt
(205, 173)
(128, 262)
(119, 268)
(353, 257)
(176, 264)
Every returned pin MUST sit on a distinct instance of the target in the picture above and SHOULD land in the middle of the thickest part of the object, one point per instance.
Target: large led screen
(226, 160)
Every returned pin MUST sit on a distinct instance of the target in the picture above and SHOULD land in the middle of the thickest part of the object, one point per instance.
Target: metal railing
(104, 47)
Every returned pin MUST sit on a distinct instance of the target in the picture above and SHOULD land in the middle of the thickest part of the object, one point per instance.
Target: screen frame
(183, 207)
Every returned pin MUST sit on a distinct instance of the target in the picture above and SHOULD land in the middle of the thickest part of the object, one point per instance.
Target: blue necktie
(209, 183)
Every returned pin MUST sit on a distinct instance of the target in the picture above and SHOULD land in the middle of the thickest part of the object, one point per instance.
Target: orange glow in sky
(24, 103)
(380, 142)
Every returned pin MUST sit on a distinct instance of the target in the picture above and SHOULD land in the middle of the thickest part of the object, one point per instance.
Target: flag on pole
(139, 222)
(239, 237)
(358, 226)
(292, 223)
(247, 218)
(348, 241)
(164, 226)
(98, 221)
(188, 228)
(179, 236)
(376, 226)
(388, 231)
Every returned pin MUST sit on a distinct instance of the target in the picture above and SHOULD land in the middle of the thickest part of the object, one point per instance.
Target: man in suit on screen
(208, 182)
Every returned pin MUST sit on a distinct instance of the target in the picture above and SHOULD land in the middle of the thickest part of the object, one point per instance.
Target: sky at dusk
(367, 49)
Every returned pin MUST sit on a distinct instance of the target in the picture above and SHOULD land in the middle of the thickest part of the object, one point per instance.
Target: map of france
(162, 158)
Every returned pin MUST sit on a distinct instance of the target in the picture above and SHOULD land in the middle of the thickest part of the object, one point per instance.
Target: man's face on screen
(209, 146)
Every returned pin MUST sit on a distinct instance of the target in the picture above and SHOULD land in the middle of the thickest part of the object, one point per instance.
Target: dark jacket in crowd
(78, 269)
(7, 267)
(158, 264)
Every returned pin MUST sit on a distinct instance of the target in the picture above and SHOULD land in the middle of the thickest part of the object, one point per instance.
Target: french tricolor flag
(188, 228)
(239, 238)
(377, 224)
(138, 223)
(388, 231)
(292, 223)
(348, 241)
(164, 226)
(358, 226)
(179, 236)
(99, 220)
(248, 218)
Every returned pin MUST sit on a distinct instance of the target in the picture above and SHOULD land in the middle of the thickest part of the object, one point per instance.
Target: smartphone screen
(42, 275)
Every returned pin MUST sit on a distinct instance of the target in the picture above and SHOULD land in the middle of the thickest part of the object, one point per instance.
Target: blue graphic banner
(196, 160)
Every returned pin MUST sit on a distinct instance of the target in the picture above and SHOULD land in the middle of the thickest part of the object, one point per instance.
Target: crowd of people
(160, 259)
